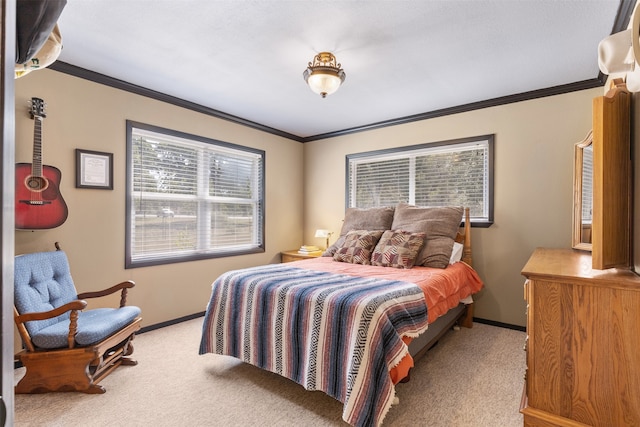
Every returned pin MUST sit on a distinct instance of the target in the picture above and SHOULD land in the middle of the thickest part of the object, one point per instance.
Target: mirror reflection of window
(587, 193)
(581, 237)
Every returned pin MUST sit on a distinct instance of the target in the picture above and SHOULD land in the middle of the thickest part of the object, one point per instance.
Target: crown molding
(83, 73)
(525, 96)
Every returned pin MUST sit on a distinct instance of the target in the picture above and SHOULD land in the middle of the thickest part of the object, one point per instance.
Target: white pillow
(456, 253)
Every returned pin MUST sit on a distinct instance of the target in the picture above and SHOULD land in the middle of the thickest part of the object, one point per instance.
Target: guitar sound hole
(36, 183)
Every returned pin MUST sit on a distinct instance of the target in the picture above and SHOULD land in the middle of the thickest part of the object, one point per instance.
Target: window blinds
(456, 174)
(587, 185)
(192, 198)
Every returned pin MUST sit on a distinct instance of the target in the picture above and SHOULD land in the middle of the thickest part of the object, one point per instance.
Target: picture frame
(94, 169)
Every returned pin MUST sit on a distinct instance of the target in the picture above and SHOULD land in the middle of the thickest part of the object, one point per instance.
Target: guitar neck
(36, 165)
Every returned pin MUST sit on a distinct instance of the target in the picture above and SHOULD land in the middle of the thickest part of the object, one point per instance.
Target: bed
(352, 322)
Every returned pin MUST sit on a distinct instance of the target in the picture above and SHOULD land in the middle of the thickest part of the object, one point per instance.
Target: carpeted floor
(473, 377)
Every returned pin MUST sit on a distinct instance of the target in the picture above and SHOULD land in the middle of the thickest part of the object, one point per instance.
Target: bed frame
(461, 315)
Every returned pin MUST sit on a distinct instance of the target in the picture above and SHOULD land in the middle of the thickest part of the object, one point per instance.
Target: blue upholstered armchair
(65, 347)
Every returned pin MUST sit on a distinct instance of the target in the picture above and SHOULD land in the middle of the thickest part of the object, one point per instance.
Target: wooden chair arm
(122, 286)
(72, 306)
(43, 315)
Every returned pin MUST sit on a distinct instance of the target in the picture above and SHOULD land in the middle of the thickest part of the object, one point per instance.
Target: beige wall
(82, 114)
(533, 187)
(533, 184)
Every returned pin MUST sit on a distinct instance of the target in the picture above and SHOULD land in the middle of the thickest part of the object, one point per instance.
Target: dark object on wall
(94, 169)
(35, 20)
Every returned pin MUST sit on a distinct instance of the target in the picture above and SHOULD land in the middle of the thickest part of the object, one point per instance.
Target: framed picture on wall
(94, 169)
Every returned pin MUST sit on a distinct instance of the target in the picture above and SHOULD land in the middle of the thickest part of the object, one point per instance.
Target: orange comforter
(443, 288)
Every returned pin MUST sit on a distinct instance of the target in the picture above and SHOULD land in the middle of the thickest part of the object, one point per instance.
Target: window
(190, 197)
(587, 185)
(449, 173)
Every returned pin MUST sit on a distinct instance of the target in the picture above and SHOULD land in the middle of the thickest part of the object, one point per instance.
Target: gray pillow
(362, 219)
(439, 224)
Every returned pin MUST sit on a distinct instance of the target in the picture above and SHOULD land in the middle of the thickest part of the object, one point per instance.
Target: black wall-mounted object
(35, 20)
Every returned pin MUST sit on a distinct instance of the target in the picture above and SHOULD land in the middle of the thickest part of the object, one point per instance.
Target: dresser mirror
(583, 193)
(603, 207)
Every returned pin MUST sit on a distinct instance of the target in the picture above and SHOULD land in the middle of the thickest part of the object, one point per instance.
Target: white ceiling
(402, 58)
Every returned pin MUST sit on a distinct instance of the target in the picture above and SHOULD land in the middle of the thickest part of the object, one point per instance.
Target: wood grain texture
(74, 368)
(79, 368)
(582, 353)
(294, 255)
(611, 228)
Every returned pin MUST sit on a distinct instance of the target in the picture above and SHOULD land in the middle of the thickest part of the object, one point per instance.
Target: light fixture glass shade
(324, 75)
(323, 84)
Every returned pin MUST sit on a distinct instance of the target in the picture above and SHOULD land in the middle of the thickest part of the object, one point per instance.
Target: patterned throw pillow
(441, 226)
(357, 247)
(362, 219)
(398, 249)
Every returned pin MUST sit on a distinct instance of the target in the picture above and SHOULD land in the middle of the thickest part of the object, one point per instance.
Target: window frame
(196, 254)
(410, 149)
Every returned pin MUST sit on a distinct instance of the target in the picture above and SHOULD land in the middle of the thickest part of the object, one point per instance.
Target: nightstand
(294, 255)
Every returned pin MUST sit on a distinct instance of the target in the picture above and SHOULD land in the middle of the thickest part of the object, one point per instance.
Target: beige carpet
(473, 377)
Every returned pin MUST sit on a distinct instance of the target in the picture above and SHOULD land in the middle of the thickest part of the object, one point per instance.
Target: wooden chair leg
(77, 369)
(128, 351)
(57, 371)
(127, 361)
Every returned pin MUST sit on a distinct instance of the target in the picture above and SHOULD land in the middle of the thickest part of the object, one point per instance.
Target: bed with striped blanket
(338, 333)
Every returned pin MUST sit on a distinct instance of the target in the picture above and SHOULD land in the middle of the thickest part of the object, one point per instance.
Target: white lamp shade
(322, 233)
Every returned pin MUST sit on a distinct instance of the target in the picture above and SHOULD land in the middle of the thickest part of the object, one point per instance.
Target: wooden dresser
(583, 342)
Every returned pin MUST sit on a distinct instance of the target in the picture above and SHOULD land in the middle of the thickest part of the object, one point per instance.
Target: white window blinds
(587, 185)
(455, 173)
(191, 198)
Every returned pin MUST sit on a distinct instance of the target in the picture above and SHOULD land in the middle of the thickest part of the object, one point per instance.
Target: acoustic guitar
(39, 204)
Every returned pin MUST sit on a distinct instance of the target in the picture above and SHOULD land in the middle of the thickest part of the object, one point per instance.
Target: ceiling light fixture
(324, 75)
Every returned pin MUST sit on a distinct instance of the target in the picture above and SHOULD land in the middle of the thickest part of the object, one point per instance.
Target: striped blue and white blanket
(335, 333)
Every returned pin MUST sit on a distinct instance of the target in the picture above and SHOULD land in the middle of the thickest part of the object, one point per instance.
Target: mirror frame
(576, 240)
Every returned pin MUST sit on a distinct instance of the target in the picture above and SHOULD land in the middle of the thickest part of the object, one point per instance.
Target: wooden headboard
(464, 237)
